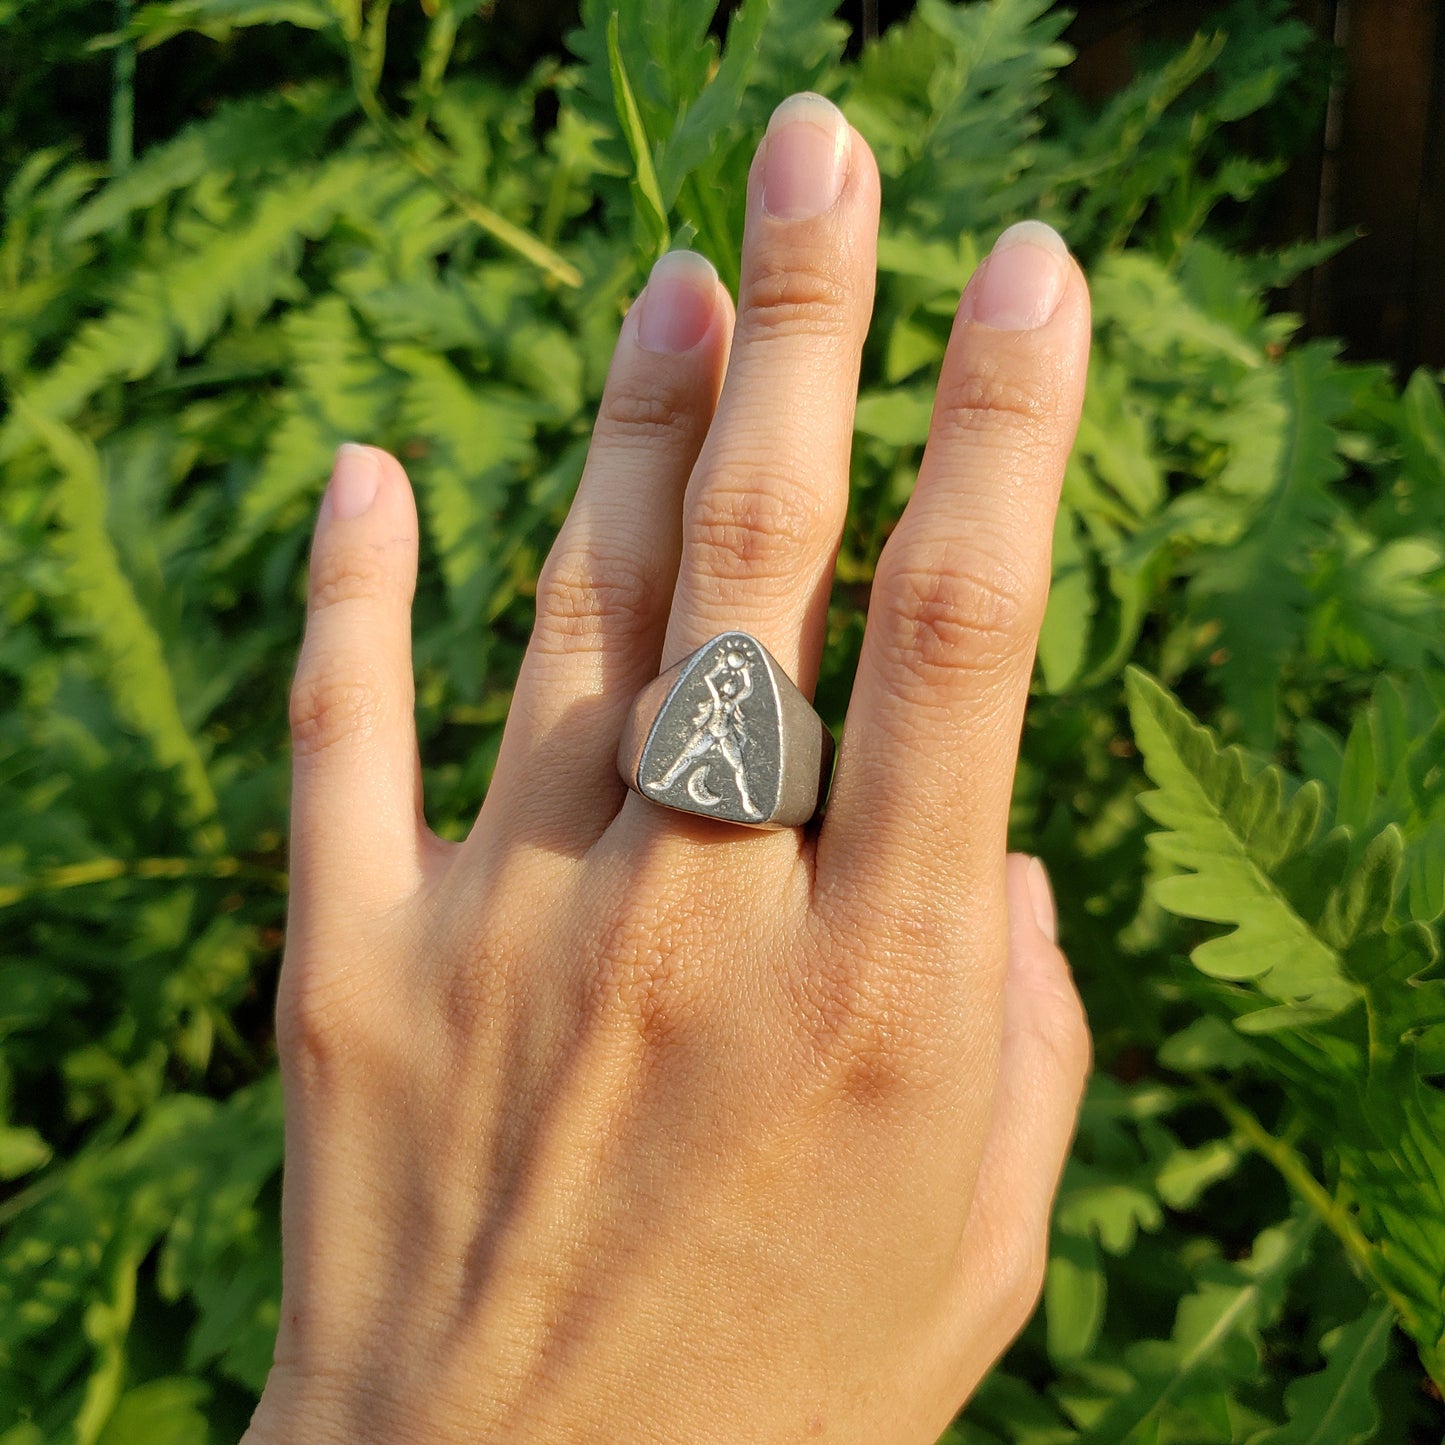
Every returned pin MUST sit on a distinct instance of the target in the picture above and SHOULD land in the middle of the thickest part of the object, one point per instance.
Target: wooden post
(1383, 293)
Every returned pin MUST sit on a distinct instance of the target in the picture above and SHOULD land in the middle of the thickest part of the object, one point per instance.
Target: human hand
(617, 1123)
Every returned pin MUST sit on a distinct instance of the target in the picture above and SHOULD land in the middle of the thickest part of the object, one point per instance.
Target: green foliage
(1333, 1407)
(375, 235)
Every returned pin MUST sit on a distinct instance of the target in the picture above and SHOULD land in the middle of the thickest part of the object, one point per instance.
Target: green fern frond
(1116, 452)
(1229, 833)
(1157, 326)
(1391, 1150)
(1115, 136)
(187, 1178)
(1422, 444)
(249, 136)
(663, 46)
(339, 390)
(650, 206)
(104, 603)
(218, 19)
(1315, 930)
(949, 102)
(760, 33)
(1378, 600)
(1334, 1406)
(1217, 1334)
(175, 307)
(470, 439)
(1283, 459)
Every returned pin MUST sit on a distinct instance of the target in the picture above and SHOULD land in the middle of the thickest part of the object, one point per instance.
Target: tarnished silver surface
(726, 734)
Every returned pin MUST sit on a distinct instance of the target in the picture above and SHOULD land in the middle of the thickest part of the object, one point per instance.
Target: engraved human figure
(719, 728)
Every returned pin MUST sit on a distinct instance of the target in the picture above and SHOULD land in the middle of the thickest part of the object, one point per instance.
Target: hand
(613, 1123)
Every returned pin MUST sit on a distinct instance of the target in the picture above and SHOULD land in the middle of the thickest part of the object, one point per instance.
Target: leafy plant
(374, 234)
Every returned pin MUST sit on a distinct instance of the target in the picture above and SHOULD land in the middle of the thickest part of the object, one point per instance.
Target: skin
(612, 1123)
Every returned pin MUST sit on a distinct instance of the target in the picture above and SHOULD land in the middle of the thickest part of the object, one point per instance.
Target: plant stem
(436, 54)
(708, 208)
(556, 199)
(373, 43)
(122, 94)
(107, 870)
(410, 149)
(1300, 1178)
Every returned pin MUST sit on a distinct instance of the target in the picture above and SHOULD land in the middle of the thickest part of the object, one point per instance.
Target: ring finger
(602, 597)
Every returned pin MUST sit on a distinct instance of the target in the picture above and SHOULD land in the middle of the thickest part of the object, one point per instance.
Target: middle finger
(765, 505)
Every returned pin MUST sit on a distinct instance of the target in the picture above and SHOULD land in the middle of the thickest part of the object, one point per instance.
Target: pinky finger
(356, 830)
(1043, 1065)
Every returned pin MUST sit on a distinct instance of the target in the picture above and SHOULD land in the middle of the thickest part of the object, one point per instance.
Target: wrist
(337, 1412)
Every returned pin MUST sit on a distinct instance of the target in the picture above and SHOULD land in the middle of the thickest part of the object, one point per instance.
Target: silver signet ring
(726, 734)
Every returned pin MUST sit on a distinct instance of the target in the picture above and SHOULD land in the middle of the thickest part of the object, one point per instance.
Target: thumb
(1044, 1062)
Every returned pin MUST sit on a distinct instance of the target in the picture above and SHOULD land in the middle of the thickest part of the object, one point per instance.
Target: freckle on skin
(815, 1425)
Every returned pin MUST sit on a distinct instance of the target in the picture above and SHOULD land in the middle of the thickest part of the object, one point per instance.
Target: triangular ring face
(716, 747)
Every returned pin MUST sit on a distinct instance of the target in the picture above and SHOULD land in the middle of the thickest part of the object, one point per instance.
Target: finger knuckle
(351, 574)
(1062, 1028)
(761, 529)
(796, 298)
(962, 610)
(865, 1021)
(476, 996)
(333, 703)
(642, 974)
(586, 601)
(328, 1020)
(646, 418)
(1022, 1263)
(994, 397)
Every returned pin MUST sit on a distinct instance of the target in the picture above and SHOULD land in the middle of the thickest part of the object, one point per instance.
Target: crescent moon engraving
(698, 790)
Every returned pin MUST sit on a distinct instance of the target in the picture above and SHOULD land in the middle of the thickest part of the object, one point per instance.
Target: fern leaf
(176, 307)
(1156, 323)
(691, 142)
(1216, 1333)
(1379, 602)
(106, 605)
(1068, 621)
(651, 207)
(1314, 930)
(949, 102)
(1421, 490)
(664, 44)
(188, 1175)
(800, 40)
(1334, 1406)
(1282, 459)
(472, 439)
(1148, 153)
(1388, 1133)
(1113, 140)
(1228, 833)
(217, 19)
(246, 136)
(1115, 449)
(339, 389)
(642, 66)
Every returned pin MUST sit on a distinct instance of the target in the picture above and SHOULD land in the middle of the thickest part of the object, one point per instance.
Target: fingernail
(1020, 284)
(1041, 895)
(354, 479)
(805, 157)
(677, 304)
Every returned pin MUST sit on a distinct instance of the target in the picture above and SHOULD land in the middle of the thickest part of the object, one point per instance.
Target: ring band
(726, 734)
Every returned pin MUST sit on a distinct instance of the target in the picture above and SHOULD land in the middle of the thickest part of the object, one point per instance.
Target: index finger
(919, 809)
